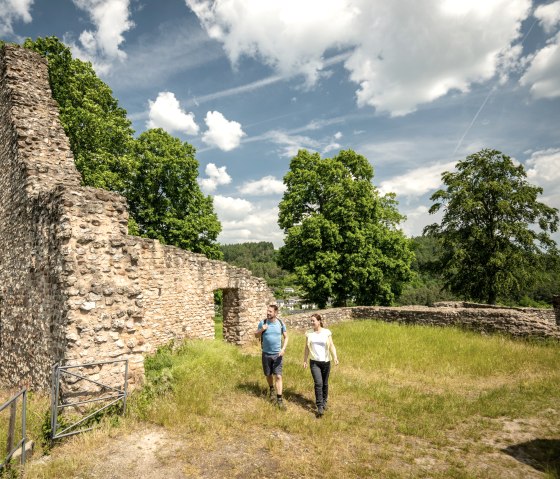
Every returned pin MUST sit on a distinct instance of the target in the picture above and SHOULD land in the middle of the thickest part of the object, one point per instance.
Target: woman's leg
(325, 378)
(318, 380)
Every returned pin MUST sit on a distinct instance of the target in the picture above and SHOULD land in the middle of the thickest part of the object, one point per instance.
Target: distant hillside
(260, 259)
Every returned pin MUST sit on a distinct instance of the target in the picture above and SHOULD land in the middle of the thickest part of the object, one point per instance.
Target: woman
(320, 347)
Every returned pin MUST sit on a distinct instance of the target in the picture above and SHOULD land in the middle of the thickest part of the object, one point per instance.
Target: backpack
(281, 327)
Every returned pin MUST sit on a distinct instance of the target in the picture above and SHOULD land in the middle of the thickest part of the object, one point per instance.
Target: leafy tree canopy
(165, 199)
(493, 230)
(100, 134)
(156, 172)
(341, 239)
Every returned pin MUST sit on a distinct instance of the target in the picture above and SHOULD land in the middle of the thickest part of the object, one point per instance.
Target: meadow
(405, 401)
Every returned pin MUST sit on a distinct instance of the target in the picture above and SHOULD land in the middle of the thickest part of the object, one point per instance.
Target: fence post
(11, 427)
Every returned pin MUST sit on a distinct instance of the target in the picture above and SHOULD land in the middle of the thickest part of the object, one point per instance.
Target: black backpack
(281, 328)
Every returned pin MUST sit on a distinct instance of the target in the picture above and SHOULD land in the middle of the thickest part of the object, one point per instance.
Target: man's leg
(279, 385)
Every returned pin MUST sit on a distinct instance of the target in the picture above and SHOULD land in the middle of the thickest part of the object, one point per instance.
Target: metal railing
(109, 395)
(12, 448)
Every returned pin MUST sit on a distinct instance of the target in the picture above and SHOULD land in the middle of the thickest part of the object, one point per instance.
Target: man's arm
(260, 330)
(285, 336)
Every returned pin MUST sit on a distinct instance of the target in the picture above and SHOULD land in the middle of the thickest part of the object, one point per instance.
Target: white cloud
(229, 209)
(224, 134)
(291, 144)
(288, 35)
(543, 74)
(267, 185)
(543, 169)
(416, 182)
(401, 54)
(216, 176)
(166, 113)
(548, 15)
(243, 221)
(111, 19)
(11, 11)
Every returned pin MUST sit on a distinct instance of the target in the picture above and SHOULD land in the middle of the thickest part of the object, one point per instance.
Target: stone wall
(517, 322)
(74, 286)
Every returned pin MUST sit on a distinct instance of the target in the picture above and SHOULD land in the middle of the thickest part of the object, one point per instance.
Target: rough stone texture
(518, 322)
(74, 286)
(556, 306)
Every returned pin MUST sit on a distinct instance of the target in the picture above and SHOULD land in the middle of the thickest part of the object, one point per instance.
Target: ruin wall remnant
(74, 286)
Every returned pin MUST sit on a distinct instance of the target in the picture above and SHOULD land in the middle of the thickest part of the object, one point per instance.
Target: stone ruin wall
(516, 322)
(74, 286)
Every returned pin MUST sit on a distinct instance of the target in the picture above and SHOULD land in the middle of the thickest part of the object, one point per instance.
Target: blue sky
(415, 86)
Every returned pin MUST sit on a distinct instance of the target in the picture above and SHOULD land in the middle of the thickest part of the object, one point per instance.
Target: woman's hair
(318, 318)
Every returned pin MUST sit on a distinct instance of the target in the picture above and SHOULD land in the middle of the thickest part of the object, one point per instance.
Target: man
(271, 331)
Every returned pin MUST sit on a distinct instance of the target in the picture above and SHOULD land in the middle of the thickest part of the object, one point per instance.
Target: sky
(413, 85)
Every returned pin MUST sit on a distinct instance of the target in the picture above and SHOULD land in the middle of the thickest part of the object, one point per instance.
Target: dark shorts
(272, 364)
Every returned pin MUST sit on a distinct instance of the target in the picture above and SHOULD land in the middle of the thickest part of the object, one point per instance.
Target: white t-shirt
(318, 345)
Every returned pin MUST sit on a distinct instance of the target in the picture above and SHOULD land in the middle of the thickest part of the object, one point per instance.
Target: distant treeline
(260, 259)
(426, 287)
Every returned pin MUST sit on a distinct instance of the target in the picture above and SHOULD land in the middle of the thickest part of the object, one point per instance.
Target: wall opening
(230, 312)
(219, 314)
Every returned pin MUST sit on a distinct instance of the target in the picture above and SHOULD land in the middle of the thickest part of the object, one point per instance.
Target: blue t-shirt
(272, 337)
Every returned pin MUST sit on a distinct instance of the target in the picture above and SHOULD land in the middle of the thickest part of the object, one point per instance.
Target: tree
(100, 134)
(341, 239)
(493, 230)
(156, 172)
(165, 198)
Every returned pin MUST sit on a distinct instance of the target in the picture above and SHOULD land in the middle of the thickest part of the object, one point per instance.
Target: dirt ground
(515, 450)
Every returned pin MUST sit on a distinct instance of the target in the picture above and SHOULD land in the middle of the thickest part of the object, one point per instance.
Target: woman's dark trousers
(320, 371)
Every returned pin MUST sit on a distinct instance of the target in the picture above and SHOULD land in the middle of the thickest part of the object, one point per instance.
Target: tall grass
(405, 401)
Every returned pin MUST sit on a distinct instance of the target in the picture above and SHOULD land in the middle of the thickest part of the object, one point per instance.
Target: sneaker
(272, 395)
(280, 403)
(320, 411)
(325, 405)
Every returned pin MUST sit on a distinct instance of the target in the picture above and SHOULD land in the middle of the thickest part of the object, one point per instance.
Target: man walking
(271, 331)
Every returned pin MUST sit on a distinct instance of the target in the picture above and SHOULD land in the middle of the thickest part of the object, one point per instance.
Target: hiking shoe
(272, 395)
(320, 411)
(280, 404)
(325, 406)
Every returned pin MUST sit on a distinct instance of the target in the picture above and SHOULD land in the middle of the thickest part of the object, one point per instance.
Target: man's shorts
(272, 364)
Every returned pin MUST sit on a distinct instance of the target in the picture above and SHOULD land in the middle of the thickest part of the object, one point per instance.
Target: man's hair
(274, 307)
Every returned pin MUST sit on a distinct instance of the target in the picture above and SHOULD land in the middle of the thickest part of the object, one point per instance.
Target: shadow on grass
(541, 454)
(261, 391)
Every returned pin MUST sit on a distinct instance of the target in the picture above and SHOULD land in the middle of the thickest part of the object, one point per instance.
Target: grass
(405, 401)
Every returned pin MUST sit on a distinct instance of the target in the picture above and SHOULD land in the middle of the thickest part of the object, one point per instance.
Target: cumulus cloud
(543, 73)
(166, 113)
(416, 182)
(12, 11)
(267, 185)
(400, 54)
(548, 15)
(224, 134)
(216, 176)
(101, 47)
(244, 221)
(542, 169)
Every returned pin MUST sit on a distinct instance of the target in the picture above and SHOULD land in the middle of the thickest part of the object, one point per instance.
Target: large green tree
(156, 173)
(493, 230)
(99, 131)
(165, 198)
(342, 239)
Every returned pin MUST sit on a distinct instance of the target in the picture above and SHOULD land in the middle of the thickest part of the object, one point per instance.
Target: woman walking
(320, 348)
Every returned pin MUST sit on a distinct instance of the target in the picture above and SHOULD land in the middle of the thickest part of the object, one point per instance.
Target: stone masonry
(74, 286)
(516, 322)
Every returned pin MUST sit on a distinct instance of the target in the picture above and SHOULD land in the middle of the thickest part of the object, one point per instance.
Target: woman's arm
(305, 353)
(333, 349)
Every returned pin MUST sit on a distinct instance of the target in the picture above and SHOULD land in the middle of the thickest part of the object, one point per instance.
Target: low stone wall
(515, 322)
